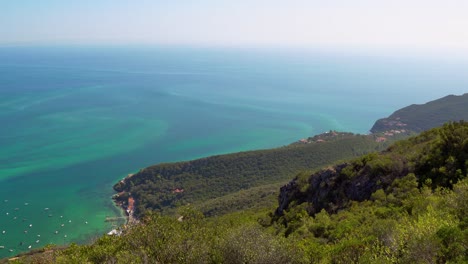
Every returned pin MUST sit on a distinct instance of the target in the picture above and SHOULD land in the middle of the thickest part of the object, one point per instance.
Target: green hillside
(166, 186)
(437, 158)
(407, 204)
(419, 118)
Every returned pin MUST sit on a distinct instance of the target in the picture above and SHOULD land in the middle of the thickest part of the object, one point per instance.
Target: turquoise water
(76, 120)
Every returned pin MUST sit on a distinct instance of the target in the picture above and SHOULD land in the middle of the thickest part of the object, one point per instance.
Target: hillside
(407, 204)
(437, 158)
(163, 187)
(419, 118)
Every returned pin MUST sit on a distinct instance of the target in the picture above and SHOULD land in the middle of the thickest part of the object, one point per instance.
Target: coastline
(126, 203)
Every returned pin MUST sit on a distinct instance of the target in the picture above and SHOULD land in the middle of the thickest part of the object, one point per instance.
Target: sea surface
(74, 120)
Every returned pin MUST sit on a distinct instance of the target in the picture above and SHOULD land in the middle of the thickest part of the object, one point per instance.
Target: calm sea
(74, 120)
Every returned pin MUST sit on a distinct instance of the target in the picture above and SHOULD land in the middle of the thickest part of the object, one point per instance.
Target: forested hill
(419, 118)
(164, 186)
(408, 204)
(435, 158)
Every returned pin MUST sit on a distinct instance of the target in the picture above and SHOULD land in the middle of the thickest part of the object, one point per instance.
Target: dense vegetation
(260, 197)
(419, 118)
(405, 205)
(420, 215)
(165, 186)
(438, 158)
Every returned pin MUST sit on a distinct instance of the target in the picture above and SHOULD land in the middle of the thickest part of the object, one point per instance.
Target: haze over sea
(74, 120)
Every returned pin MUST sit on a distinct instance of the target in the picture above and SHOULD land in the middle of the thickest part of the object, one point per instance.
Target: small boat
(29, 247)
(65, 236)
(3, 232)
(56, 232)
(2, 247)
(37, 241)
(45, 209)
(38, 235)
(69, 221)
(26, 203)
(86, 222)
(62, 225)
(50, 215)
(30, 225)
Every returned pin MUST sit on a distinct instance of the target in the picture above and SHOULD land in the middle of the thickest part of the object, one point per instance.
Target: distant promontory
(418, 118)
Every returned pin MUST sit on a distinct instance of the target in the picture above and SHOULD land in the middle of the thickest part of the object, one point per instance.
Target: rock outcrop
(334, 188)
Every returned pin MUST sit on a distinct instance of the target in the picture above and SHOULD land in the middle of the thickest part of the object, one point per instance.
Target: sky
(362, 24)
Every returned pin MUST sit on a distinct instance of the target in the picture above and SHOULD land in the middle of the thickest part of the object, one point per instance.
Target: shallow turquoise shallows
(74, 120)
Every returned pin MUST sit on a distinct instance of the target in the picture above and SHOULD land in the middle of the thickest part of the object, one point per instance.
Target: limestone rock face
(332, 189)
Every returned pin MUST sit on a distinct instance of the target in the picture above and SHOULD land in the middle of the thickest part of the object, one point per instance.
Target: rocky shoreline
(126, 202)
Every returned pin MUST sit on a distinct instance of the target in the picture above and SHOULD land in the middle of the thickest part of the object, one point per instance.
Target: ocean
(75, 120)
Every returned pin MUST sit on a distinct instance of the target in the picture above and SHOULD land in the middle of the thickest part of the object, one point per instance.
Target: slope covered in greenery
(407, 204)
(419, 118)
(165, 186)
(415, 211)
(437, 157)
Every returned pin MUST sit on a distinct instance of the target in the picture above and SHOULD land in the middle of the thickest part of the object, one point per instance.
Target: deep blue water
(74, 120)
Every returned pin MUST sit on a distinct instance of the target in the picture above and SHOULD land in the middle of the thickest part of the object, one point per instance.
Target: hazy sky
(376, 24)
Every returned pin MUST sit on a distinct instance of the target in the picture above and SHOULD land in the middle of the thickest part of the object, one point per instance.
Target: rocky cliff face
(334, 188)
